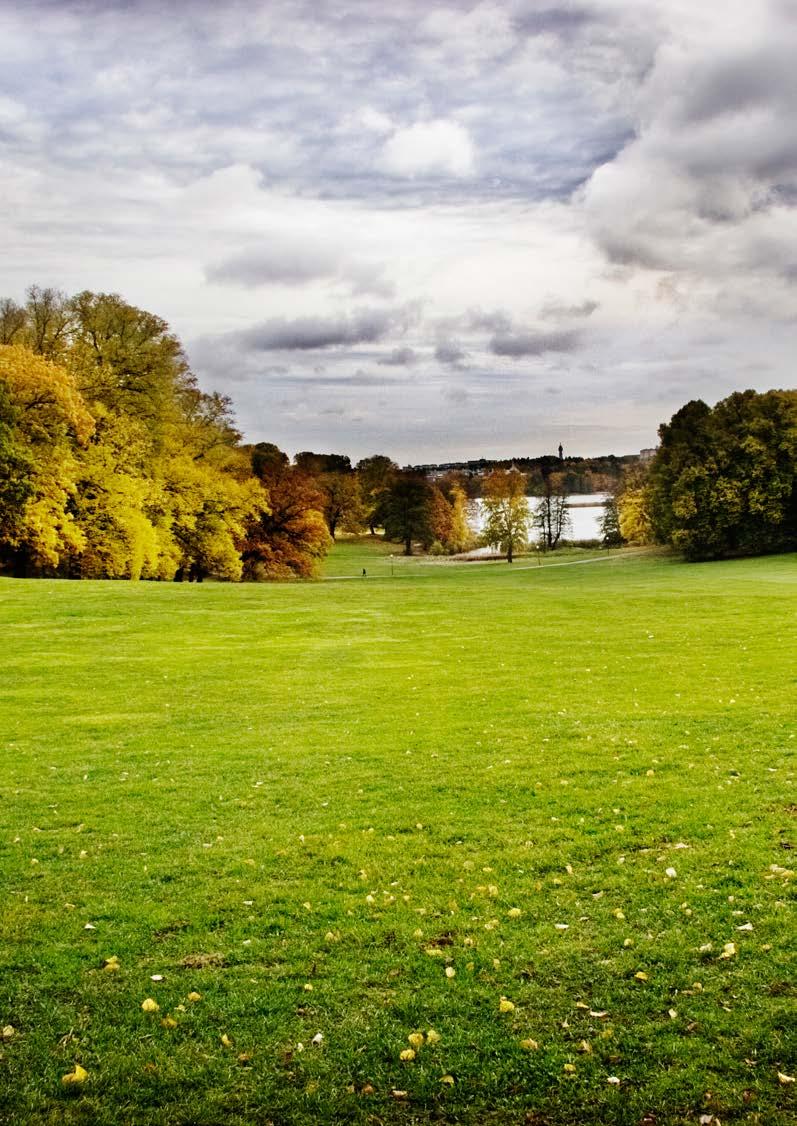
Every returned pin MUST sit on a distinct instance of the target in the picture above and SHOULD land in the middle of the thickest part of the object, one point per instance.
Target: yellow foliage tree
(634, 509)
(51, 420)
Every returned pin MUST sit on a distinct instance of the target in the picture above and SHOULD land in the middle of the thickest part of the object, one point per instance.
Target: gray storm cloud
(311, 333)
(517, 344)
(285, 261)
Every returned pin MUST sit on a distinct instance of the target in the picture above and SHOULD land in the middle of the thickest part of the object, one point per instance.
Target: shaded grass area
(342, 791)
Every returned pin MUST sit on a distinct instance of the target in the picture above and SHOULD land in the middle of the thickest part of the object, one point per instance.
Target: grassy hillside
(367, 809)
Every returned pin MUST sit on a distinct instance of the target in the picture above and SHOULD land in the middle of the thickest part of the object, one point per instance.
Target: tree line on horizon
(114, 464)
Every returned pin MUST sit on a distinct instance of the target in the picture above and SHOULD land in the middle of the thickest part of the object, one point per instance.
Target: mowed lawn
(546, 813)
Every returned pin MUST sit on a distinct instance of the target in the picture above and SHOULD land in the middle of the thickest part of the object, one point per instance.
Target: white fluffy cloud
(430, 148)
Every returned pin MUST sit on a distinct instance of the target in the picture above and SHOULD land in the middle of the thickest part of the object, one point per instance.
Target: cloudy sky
(430, 230)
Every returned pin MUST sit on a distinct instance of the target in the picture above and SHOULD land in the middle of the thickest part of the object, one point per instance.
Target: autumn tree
(506, 510)
(13, 320)
(343, 506)
(46, 420)
(374, 474)
(16, 470)
(49, 318)
(290, 538)
(441, 523)
(128, 360)
(460, 535)
(316, 464)
(633, 506)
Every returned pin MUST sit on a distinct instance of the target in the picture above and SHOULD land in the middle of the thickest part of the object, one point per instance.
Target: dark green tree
(724, 481)
(406, 510)
(610, 524)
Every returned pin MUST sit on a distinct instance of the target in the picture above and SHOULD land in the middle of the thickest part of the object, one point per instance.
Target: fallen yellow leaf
(150, 1006)
(407, 1055)
(506, 1006)
(76, 1077)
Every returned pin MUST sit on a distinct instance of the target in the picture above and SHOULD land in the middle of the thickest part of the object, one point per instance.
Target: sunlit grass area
(543, 813)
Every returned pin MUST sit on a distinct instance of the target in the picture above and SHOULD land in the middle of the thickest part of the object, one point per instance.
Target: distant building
(647, 455)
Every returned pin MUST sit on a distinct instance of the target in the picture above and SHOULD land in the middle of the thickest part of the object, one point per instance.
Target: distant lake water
(586, 513)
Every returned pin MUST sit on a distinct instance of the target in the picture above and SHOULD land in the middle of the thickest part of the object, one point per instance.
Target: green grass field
(340, 814)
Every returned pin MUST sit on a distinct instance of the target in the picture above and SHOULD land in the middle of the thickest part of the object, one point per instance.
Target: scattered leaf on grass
(407, 1055)
(76, 1077)
(194, 996)
(149, 1005)
(785, 1079)
(506, 1006)
(448, 1080)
